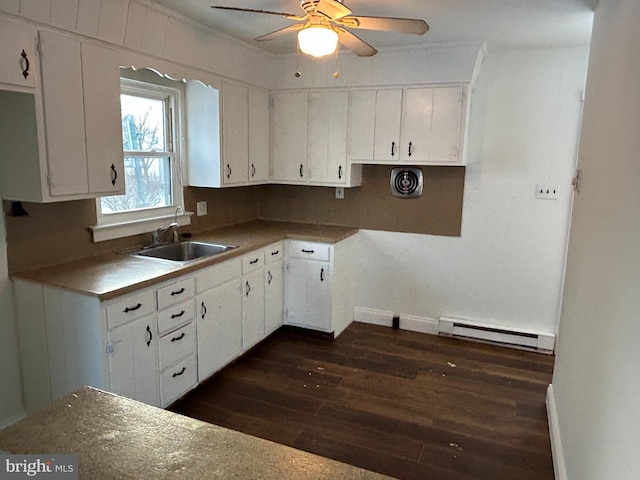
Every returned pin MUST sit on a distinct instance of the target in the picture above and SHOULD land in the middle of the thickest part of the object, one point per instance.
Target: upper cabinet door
(289, 149)
(328, 136)
(61, 71)
(103, 124)
(387, 127)
(362, 122)
(258, 135)
(448, 118)
(417, 109)
(16, 67)
(235, 133)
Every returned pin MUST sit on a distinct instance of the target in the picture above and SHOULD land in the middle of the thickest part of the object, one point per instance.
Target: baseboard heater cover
(471, 329)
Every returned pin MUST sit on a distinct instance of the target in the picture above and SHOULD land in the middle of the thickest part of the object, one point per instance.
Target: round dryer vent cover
(406, 182)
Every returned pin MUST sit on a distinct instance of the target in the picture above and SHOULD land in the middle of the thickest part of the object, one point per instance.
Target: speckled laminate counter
(118, 438)
(112, 275)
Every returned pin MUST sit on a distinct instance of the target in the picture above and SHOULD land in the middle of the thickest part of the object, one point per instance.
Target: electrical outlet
(201, 208)
(340, 193)
(547, 192)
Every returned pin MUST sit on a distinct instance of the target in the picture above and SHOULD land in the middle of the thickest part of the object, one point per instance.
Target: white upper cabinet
(258, 136)
(72, 124)
(410, 126)
(290, 114)
(227, 135)
(309, 140)
(18, 63)
(235, 133)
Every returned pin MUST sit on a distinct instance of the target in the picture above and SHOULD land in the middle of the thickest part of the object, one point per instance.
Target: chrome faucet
(158, 233)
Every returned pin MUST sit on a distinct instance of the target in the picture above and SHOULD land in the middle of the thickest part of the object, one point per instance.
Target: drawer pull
(340, 172)
(322, 274)
(114, 175)
(410, 145)
(150, 336)
(203, 310)
(177, 292)
(176, 339)
(308, 251)
(253, 170)
(177, 374)
(253, 262)
(248, 288)
(393, 149)
(301, 174)
(270, 277)
(132, 309)
(177, 315)
(25, 72)
(275, 253)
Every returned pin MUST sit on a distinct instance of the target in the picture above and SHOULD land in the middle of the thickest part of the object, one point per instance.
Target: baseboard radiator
(474, 330)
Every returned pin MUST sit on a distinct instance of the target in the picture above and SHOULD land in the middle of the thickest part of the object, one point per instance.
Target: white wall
(596, 383)
(507, 266)
(10, 390)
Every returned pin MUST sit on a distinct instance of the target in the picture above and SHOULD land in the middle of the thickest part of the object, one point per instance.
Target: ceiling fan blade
(386, 24)
(282, 31)
(333, 9)
(252, 10)
(355, 44)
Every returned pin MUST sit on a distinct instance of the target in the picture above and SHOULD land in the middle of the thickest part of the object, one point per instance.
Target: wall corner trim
(559, 465)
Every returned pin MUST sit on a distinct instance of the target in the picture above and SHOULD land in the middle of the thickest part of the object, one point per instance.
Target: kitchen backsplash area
(55, 233)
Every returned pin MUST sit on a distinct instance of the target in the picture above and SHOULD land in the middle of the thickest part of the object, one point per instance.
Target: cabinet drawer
(176, 292)
(178, 380)
(218, 274)
(252, 261)
(176, 345)
(274, 252)
(308, 250)
(130, 307)
(176, 315)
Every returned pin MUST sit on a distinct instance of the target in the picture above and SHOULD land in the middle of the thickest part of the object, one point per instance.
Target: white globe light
(317, 41)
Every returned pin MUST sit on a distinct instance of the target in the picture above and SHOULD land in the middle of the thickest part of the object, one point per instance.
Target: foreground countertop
(112, 275)
(119, 438)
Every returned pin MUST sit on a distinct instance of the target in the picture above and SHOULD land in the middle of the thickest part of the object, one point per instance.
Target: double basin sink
(186, 251)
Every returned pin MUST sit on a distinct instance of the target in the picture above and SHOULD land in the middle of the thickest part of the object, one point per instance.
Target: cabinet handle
(253, 170)
(410, 145)
(248, 288)
(177, 339)
(177, 292)
(340, 172)
(203, 310)
(301, 175)
(228, 171)
(393, 148)
(177, 315)
(270, 277)
(308, 251)
(177, 374)
(150, 336)
(253, 262)
(132, 309)
(25, 72)
(275, 253)
(322, 274)
(114, 175)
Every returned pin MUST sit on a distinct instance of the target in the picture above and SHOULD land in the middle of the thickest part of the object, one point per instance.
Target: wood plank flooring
(409, 405)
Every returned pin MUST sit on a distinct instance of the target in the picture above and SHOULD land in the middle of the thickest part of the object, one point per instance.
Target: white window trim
(118, 225)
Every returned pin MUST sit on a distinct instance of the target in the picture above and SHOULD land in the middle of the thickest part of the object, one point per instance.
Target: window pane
(142, 123)
(147, 185)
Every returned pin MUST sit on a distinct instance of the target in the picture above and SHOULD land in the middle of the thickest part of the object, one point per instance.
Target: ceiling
(501, 23)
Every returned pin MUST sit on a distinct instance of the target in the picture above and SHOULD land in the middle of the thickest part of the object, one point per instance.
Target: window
(150, 135)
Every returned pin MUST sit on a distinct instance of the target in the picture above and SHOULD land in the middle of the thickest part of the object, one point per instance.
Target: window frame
(121, 224)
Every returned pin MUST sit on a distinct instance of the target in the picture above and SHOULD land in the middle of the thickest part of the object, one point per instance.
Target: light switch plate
(201, 208)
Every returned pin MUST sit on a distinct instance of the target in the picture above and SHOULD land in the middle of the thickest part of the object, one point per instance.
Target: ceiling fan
(325, 22)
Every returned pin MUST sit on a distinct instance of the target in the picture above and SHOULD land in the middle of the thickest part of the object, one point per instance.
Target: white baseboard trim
(7, 422)
(384, 318)
(559, 465)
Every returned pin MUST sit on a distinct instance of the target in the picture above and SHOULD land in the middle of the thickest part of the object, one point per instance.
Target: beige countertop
(109, 276)
(118, 438)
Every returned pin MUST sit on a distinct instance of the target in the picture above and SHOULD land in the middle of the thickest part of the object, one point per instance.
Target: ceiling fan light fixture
(317, 40)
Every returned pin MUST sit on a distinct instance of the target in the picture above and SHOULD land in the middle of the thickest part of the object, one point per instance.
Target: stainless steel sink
(183, 251)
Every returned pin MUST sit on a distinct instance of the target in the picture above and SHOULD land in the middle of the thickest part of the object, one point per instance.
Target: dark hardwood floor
(409, 405)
